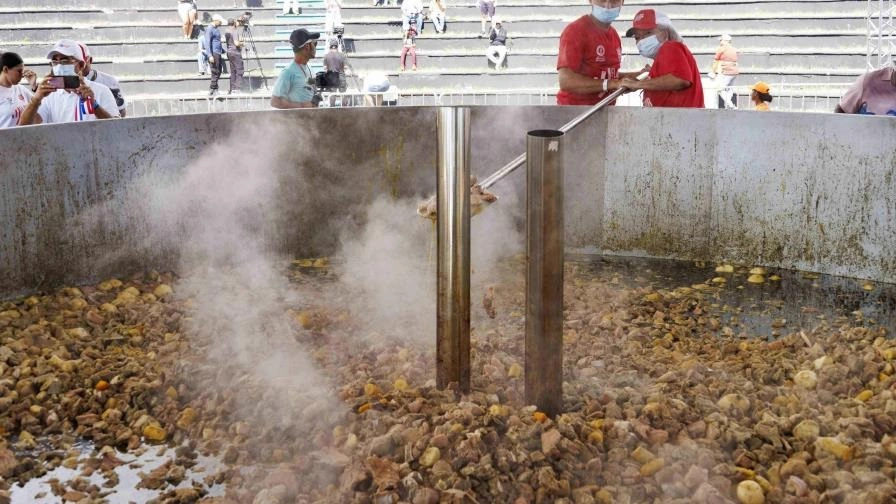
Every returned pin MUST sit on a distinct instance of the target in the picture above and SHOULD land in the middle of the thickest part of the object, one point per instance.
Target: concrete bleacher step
(678, 11)
(190, 85)
(712, 27)
(547, 62)
(120, 17)
(122, 34)
(527, 78)
(179, 48)
(143, 50)
(706, 44)
(470, 66)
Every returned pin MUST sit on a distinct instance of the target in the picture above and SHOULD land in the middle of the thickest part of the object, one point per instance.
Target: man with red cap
(674, 79)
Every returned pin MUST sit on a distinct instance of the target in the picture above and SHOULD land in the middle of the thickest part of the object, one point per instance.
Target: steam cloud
(213, 215)
(391, 266)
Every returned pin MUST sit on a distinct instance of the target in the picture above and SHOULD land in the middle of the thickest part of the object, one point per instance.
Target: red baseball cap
(647, 19)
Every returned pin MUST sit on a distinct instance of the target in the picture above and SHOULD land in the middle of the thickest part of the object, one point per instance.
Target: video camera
(327, 81)
(244, 19)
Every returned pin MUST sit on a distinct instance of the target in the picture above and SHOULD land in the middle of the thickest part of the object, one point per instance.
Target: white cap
(218, 17)
(68, 48)
(725, 38)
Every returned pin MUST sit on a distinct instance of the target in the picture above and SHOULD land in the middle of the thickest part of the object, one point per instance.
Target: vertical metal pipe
(453, 261)
(544, 272)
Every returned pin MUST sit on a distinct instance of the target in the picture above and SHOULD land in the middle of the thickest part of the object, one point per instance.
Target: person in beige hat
(724, 70)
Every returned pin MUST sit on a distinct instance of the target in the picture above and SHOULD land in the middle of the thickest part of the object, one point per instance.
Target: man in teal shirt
(295, 85)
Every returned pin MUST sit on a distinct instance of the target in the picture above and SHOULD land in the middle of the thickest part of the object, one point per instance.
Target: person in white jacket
(412, 12)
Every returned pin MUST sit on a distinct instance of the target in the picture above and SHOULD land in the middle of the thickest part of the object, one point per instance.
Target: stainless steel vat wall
(814, 192)
(330, 164)
(50, 174)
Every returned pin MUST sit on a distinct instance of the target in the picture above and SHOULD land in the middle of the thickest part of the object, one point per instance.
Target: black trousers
(236, 70)
(215, 68)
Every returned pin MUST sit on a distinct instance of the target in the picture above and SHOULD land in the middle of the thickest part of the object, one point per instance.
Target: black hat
(299, 37)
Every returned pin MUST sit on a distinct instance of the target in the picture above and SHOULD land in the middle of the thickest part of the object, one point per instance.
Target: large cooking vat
(811, 192)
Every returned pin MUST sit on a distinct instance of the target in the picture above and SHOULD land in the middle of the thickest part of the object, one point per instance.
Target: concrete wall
(814, 192)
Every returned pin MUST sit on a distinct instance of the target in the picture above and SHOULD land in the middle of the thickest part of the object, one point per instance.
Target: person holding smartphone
(64, 95)
(14, 97)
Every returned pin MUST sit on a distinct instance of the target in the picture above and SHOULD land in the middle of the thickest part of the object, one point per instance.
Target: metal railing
(787, 97)
(792, 97)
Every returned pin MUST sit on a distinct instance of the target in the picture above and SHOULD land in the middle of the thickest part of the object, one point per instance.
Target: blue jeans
(417, 19)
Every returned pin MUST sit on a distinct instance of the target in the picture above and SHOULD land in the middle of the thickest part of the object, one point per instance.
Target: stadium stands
(818, 42)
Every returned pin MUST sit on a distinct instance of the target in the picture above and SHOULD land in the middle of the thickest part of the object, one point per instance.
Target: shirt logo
(601, 54)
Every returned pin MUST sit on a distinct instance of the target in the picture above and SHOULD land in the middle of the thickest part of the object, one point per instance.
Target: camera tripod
(246, 35)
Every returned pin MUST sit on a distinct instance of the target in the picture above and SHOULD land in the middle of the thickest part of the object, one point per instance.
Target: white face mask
(648, 47)
(59, 69)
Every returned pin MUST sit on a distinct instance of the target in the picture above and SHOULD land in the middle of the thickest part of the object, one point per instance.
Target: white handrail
(794, 97)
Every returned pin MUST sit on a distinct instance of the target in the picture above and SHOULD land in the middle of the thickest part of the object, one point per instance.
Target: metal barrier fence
(818, 98)
(787, 97)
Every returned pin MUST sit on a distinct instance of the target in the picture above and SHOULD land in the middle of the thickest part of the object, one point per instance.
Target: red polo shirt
(588, 50)
(675, 58)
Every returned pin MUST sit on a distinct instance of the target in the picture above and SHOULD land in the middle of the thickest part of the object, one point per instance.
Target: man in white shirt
(88, 102)
(412, 12)
(103, 78)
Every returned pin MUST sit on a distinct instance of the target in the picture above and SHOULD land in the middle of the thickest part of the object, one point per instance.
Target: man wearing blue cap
(295, 85)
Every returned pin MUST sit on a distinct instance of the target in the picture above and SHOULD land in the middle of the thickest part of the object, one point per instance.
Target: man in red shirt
(674, 79)
(590, 54)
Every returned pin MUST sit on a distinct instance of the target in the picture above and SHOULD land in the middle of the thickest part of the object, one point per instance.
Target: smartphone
(65, 82)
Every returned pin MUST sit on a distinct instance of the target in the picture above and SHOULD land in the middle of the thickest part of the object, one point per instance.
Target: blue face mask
(648, 47)
(605, 16)
(59, 69)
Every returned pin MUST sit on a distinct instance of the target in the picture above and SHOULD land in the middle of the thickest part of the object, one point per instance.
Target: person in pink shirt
(873, 93)
(724, 70)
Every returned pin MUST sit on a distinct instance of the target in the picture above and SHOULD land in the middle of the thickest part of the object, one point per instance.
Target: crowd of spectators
(73, 91)
(588, 66)
(414, 15)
